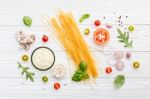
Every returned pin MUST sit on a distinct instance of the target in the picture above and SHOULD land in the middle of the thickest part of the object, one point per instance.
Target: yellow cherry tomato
(25, 58)
(86, 31)
(45, 79)
(131, 28)
(136, 64)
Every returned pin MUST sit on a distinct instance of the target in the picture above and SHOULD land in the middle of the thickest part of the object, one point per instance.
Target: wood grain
(14, 86)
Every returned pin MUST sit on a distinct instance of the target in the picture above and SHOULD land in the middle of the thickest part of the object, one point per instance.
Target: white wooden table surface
(14, 86)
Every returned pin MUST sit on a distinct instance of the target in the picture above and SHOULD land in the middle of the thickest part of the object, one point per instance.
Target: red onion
(128, 55)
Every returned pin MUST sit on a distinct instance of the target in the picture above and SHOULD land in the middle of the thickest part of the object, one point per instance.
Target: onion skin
(118, 55)
(119, 65)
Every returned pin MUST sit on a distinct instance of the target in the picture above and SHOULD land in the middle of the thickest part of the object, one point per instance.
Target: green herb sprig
(124, 38)
(29, 75)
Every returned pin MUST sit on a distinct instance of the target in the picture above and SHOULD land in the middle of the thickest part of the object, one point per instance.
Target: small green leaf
(119, 81)
(119, 37)
(84, 16)
(23, 72)
(32, 73)
(31, 79)
(121, 40)
(124, 35)
(120, 33)
(83, 65)
(79, 71)
(77, 77)
(85, 76)
(26, 68)
(27, 76)
(27, 21)
(127, 38)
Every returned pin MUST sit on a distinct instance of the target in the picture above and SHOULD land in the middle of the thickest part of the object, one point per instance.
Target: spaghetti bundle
(67, 32)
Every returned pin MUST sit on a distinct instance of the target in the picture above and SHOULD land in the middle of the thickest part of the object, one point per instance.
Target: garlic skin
(59, 71)
(25, 40)
(108, 25)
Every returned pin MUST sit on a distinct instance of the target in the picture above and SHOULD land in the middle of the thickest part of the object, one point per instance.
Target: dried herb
(124, 38)
(27, 21)
(84, 16)
(119, 81)
(29, 75)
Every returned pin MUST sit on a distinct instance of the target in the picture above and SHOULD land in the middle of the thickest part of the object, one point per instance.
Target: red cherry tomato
(45, 38)
(97, 23)
(101, 36)
(56, 85)
(108, 70)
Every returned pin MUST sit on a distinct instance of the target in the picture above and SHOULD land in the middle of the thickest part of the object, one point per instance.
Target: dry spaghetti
(67, 32)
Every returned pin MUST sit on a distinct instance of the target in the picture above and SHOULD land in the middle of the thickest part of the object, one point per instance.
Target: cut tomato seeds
(101, 36)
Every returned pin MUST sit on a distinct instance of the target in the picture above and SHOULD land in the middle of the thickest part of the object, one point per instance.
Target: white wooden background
(14, 86)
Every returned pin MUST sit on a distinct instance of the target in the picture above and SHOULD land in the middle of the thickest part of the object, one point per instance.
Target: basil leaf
(77, 77)
(27, 21)
(85, 76)
(84, 16)
(119, 81)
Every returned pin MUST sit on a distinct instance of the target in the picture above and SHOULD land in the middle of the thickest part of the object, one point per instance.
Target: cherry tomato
(25, 58)
(108, 70)
(86, 31)
(45, 38)
(97, 23)
(101, 36)
(136, 64)
(131, 28)
(45, 79)
(56, 85)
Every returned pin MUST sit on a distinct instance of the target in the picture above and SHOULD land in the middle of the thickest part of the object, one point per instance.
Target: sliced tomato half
(101, 36)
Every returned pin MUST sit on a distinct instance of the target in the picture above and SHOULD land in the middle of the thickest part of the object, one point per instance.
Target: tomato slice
(101, 36)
